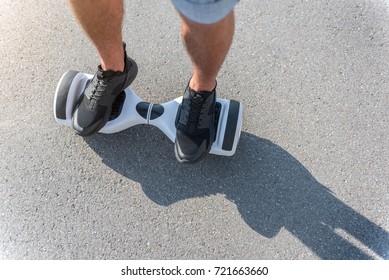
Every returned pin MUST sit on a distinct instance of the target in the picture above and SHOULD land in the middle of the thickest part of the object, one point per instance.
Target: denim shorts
(205, 11)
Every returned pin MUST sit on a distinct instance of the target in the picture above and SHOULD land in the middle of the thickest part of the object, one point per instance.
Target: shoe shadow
(271, 189)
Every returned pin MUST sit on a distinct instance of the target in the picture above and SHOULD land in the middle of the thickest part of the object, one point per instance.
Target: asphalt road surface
(309, 179)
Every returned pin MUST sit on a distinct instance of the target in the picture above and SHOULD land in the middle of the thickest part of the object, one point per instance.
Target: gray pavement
(310, 176)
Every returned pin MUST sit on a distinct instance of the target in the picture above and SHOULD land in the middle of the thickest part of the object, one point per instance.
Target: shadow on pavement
(271, 189)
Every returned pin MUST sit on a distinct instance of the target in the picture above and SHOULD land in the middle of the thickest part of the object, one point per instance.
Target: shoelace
(98, 90)
(195, 109)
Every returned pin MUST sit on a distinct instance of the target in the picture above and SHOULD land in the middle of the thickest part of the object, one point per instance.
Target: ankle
(112, 66)
(114, 59)
(202, 85)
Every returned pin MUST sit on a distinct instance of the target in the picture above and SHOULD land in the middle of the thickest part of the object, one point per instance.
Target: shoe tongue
(199, 95)
(101, 74)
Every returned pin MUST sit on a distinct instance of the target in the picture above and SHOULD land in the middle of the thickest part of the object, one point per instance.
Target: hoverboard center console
(129, 110)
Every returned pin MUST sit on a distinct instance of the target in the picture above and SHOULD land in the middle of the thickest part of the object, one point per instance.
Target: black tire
(61, 94)
(232, 125)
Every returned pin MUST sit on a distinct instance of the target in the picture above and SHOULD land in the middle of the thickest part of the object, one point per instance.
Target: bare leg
(207, 46)
(102, 21)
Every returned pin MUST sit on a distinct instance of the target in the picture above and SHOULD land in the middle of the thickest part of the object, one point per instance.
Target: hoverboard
(129, 110)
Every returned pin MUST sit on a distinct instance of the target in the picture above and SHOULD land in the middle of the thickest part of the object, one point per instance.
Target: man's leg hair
(102, 21)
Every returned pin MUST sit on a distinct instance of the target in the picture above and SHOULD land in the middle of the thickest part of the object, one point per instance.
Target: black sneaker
(195, 128)
(94, 106)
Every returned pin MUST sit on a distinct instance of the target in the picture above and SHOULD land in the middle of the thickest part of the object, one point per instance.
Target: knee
(205, 11)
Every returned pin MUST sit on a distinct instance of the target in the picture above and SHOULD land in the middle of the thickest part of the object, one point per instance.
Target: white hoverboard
(129, 110)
